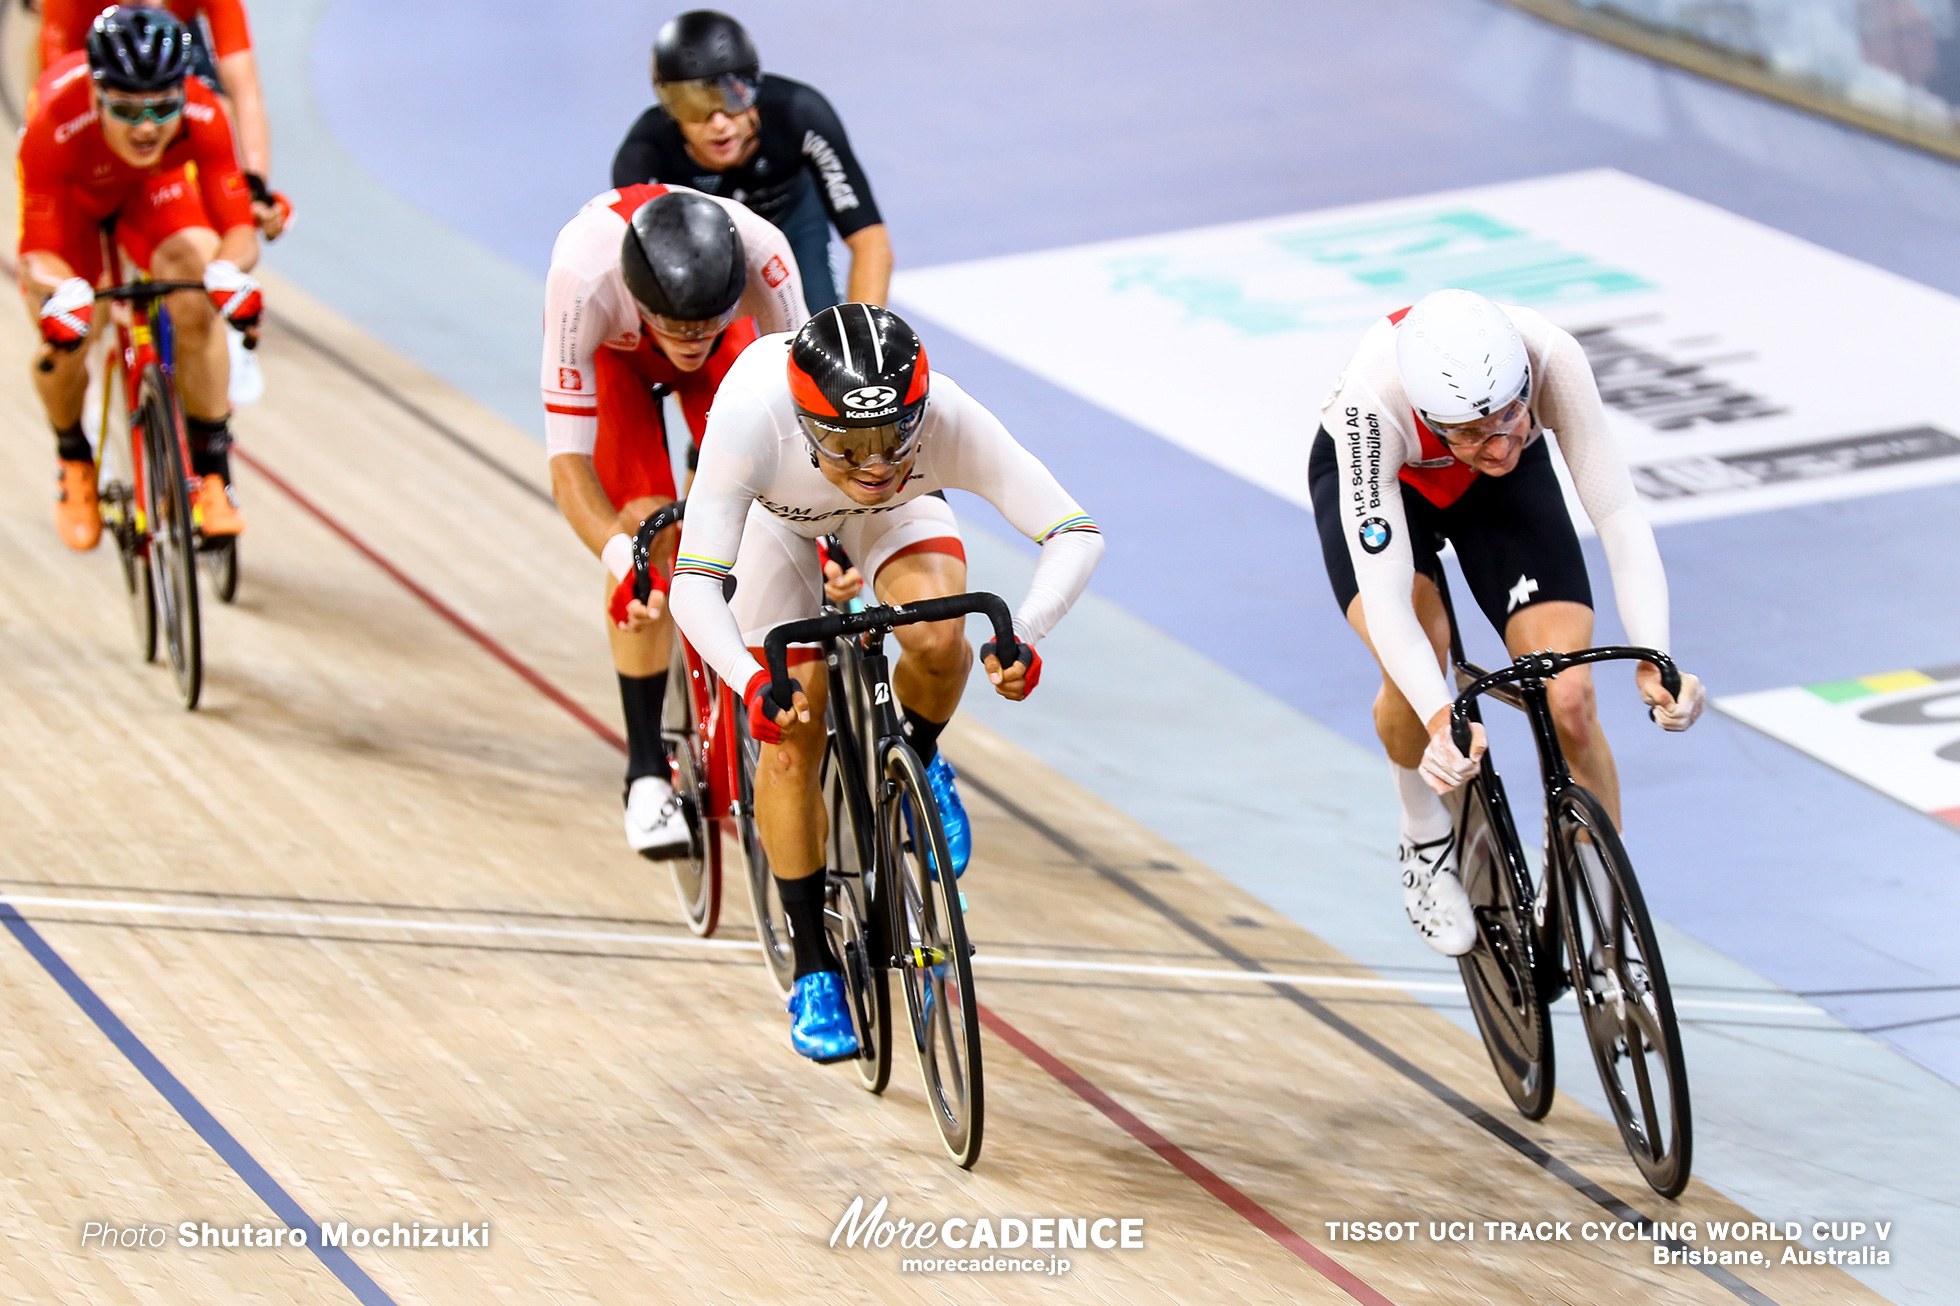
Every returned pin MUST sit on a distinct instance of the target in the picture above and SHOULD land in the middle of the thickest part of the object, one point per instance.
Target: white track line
(747, 945)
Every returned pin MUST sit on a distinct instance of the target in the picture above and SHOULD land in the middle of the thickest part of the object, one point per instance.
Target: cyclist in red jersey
(224, 56)
(651, 289)
(118, 137)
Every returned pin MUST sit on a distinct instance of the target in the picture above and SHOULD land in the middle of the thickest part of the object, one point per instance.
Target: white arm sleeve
(1370, 449)
(979, 455)
(1571, 407)
(571, 400)
(740, 435)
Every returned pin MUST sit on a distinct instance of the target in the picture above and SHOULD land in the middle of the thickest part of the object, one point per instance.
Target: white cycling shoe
(656, 828)
(1434, 897)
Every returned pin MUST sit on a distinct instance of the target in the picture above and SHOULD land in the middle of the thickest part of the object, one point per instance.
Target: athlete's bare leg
(789, 811)
(1564, 628)
(203, 357)
(645, 652)
(930, 674)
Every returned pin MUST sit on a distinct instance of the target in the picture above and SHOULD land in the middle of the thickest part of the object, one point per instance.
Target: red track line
(1192, 1168)
(441, 609)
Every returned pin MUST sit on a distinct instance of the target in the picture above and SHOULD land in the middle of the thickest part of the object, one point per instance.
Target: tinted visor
(703, 98)
(854, 446)
(674, 329)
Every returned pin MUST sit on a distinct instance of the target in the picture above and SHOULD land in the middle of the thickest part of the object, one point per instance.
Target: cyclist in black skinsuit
(725, 128)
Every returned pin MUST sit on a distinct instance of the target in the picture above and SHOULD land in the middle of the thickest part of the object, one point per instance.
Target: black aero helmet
(702, 44)
(858, 376)
(684, 265)
(132, 48)
(705, 64)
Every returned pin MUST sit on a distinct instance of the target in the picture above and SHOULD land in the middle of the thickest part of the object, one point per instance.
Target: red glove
(236, 295)
(762, 710)
(66, 316)
(623, 593)
(1029, 655)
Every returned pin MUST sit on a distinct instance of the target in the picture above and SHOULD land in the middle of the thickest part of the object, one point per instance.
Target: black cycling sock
(803, 904)
(640, 698)
(72, 446)
(923, 734)
(210, 446)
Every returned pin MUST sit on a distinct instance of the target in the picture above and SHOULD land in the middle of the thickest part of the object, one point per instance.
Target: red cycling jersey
(70, 180)
(631, 458)
(65, 23)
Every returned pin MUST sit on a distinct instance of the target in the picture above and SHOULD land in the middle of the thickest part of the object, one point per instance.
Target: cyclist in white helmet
(1434, 433)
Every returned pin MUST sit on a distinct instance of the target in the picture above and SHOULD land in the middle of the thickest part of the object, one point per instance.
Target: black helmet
(684, 264)
(858, 376)
(132, 48)
(701, 44)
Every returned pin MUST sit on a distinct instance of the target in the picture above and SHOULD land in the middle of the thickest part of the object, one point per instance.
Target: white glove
(1686, 707)
(1443, 767)
(66, 315)
(235, 294)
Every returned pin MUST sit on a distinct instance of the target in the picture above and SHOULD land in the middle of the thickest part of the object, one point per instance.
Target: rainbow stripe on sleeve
(688, 564)
(1077, 521)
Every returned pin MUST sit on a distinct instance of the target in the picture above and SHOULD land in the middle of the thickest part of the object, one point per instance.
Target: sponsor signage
(1742, 368)
(1898, 732)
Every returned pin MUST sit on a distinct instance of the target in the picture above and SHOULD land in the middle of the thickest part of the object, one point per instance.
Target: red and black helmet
(859, 377)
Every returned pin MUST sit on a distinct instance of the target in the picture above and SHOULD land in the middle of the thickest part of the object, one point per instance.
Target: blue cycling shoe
(952, 813)
(820, 1025)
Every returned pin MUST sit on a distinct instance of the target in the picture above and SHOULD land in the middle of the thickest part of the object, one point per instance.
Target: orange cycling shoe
(77, 514)
(213, 510)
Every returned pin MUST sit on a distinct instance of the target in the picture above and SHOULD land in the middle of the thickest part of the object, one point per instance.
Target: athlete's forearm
(41, 272)
(240, 74)
(704, 617)
(1067, 561)
(575, 486)
(240, 247)
(871, 265)
(1639, 579)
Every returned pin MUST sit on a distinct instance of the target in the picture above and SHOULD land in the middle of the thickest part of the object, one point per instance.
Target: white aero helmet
(1460, 357)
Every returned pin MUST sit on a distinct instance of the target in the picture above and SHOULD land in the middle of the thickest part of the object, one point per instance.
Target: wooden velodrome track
(358, 941)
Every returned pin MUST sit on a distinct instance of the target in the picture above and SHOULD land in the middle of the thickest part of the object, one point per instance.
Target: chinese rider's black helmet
(132, 48)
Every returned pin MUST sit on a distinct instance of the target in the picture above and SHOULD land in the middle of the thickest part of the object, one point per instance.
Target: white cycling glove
(233, 293)
(66, 316)
(1686, 707)
(1443, 767)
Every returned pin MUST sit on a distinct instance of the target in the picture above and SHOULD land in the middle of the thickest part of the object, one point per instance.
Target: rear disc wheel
(1498, 971)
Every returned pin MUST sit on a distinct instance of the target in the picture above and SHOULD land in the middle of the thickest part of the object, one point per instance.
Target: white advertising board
(1743, 368)
(1898, 732)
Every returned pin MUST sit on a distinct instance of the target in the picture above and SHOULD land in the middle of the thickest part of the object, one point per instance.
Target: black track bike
(1584, 927)
(891, 902)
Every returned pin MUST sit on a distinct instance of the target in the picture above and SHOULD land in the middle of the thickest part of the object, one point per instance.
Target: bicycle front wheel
(935, 961)
(771, 925)
(1624, 999)
(697, 872)
(172, 538)
(853, 916)
(1498, 971)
